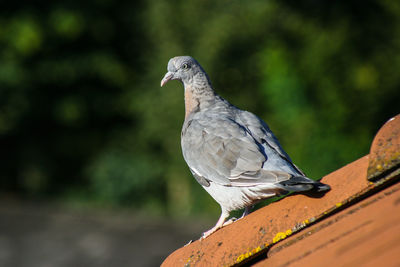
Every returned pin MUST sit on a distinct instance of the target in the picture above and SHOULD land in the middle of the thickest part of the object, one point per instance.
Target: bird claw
(215, 228)
(231, 220)
(209, 232)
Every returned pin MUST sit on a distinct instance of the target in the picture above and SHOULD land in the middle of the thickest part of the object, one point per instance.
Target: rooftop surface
(354, 224)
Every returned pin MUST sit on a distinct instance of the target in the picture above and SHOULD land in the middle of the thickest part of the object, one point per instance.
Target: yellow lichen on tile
(279, 236)
(243, 256)
(338, 204)
(187, 264)
(248, 254)
(240, 258)
(255, 250)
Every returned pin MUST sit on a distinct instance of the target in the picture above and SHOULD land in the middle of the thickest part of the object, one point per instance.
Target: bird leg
(231, 220)
(221, 222)
(246, 211)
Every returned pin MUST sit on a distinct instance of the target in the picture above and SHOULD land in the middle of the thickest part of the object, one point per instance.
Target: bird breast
(191, 102)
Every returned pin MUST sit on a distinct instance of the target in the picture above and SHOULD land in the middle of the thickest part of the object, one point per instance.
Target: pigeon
(231, 153)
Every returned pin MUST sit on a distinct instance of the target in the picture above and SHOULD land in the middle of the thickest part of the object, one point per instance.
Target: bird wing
(261, 132)
(222, 150)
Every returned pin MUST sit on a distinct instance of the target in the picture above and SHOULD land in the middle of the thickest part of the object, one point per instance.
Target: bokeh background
(87, 135)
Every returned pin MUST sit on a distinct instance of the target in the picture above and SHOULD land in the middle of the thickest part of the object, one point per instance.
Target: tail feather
(301, 183)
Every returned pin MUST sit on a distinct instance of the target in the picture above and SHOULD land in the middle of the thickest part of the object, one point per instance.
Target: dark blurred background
(88, 136)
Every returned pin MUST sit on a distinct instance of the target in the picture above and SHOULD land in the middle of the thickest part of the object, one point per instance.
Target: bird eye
(185, 66)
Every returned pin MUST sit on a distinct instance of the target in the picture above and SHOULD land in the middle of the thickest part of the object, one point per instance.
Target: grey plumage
(232, 153)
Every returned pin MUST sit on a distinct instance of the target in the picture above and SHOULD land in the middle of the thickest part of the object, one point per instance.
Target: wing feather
(239, 151)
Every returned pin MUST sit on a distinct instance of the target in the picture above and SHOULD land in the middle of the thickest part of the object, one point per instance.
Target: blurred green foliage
(82, 116)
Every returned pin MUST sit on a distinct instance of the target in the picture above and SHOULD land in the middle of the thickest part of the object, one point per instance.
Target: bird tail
(301, 183)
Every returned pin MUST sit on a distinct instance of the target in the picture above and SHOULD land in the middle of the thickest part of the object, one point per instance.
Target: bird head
(183, 68)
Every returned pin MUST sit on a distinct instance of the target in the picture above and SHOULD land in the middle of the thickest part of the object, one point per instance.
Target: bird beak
(168, 76)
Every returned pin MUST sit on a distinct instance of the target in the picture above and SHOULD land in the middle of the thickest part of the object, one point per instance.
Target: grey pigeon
(231, 152)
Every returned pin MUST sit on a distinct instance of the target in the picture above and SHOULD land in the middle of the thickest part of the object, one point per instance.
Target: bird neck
(198, 96)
